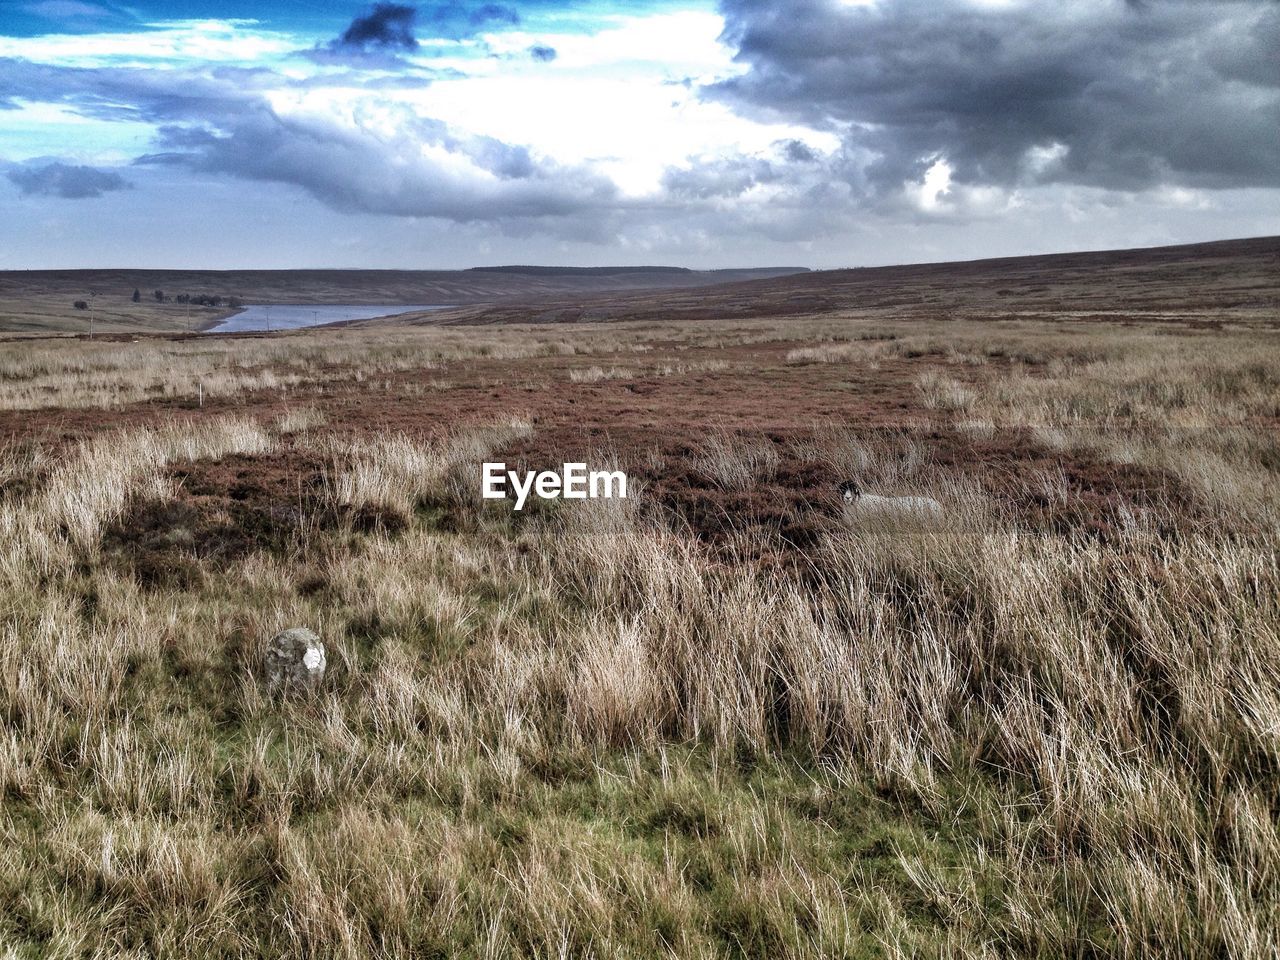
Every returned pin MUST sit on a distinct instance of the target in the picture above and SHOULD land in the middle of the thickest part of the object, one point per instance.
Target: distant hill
(539, 271)
(718, 276)
(43, 300)
(1235, 279)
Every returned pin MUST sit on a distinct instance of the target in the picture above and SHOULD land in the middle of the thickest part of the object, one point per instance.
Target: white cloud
(178, 42)
(1045, 158)
(932, 190)
(616, 99)
(46, 129)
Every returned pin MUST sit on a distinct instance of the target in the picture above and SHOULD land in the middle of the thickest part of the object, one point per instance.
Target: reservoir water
(291, 316)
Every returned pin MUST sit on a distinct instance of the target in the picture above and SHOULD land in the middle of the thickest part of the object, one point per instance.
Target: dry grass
(827, 353)
(395, 473)
(735, 463)
(300, 419)
(1189, 405)
(38, 374)
(596, 374)
(945, 393)
(578, 732)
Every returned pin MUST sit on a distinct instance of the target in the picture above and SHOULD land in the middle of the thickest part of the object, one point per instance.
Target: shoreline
(210, 325)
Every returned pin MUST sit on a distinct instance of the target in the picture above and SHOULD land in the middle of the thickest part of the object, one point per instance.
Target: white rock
(294, 661)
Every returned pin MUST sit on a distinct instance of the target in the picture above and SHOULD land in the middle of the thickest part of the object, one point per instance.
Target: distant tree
(159, 295)
(81, 305)
(137, 296)
(183, 298)
(235, 303)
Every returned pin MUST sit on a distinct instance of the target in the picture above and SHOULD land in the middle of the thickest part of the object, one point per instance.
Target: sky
(714, 133)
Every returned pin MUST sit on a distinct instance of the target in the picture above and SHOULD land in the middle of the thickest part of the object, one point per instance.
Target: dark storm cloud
(542, 54)
(69, 181)
(1121, 95)
(388, 26)
(376, 37)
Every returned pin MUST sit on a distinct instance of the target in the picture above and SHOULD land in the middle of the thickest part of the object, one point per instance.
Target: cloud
(457, 21)
(1123, 96)
(797, 151)
(67, 10)
(71, 182)
(896, 122)
(422, 170)
(787, 171)
(388, 29)
(384, 158)
(719, 177)
(542, 54)
(388, 26)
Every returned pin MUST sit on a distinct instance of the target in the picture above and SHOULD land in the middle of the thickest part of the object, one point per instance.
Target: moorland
(720, 718)
(64, 301)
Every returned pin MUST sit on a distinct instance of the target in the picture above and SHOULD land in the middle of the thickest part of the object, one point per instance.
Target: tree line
(199, 299)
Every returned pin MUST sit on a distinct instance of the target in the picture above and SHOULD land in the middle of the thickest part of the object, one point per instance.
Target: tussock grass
(596, 374)
(978, 428)
(736, 462)
(827, 353)
(399, 474)
(91, 486)
(300, 419)
(692, 366)
(945, 393)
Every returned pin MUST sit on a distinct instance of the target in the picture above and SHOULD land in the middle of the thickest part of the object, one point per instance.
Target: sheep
(857, 503)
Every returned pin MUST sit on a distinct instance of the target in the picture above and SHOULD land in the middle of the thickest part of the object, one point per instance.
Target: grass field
(718, 719)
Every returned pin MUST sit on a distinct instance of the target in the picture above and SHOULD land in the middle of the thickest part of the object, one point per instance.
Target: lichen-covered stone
(294, 661)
